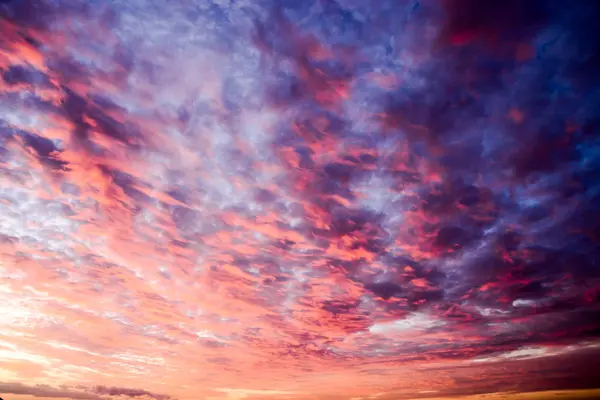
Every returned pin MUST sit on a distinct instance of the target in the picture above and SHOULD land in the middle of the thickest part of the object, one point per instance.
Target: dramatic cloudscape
(299, 199)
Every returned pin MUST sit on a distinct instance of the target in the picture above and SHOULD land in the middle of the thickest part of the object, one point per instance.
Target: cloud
(119, 391)
(321, 197)
(416, 322)
(80, 393)
(532, 352)
(46, 391)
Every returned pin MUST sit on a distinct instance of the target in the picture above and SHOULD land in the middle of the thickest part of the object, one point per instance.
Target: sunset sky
(299, 199)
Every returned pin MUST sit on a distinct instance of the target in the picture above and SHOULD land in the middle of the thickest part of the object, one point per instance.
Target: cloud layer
(295, 199)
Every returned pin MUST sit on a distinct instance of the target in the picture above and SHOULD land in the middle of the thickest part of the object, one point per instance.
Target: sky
(316, 199)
